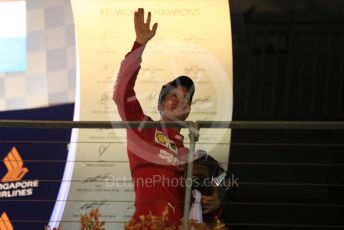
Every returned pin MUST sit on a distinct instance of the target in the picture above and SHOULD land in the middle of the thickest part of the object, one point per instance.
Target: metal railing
(193, 128)
(291, 125)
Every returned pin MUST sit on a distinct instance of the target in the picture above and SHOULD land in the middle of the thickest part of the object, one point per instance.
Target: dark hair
(179, 81)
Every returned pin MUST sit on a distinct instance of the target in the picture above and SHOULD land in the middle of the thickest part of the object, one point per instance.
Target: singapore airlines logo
(12, 184)
(14, 164)
(5, 223)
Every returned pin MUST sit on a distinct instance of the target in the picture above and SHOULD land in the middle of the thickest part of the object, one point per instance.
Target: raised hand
(142, 28)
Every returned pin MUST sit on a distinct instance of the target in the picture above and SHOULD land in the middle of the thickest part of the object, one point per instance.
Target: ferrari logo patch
(162, 139)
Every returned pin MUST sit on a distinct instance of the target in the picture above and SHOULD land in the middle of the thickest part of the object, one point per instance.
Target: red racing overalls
(154, 154)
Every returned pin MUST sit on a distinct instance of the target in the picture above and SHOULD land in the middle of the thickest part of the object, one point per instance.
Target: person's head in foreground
(175, 99)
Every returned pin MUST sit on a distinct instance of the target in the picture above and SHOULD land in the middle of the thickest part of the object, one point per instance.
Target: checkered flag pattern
(50, 77)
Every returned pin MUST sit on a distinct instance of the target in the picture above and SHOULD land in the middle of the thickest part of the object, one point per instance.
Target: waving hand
(142, 28)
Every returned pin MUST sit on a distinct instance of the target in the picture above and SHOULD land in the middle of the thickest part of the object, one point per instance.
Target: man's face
(176, 104)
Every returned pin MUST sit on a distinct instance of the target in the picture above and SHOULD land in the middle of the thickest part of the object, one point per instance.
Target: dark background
(288, 59)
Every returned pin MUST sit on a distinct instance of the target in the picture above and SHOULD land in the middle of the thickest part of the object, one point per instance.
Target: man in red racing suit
(156, 156)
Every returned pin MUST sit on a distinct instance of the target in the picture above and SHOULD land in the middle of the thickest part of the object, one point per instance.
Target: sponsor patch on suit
(162, 139)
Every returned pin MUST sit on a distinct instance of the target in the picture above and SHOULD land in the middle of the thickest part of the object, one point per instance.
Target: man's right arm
(124, 95)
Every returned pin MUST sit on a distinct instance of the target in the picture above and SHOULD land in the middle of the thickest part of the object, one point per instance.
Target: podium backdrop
(193, 39)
